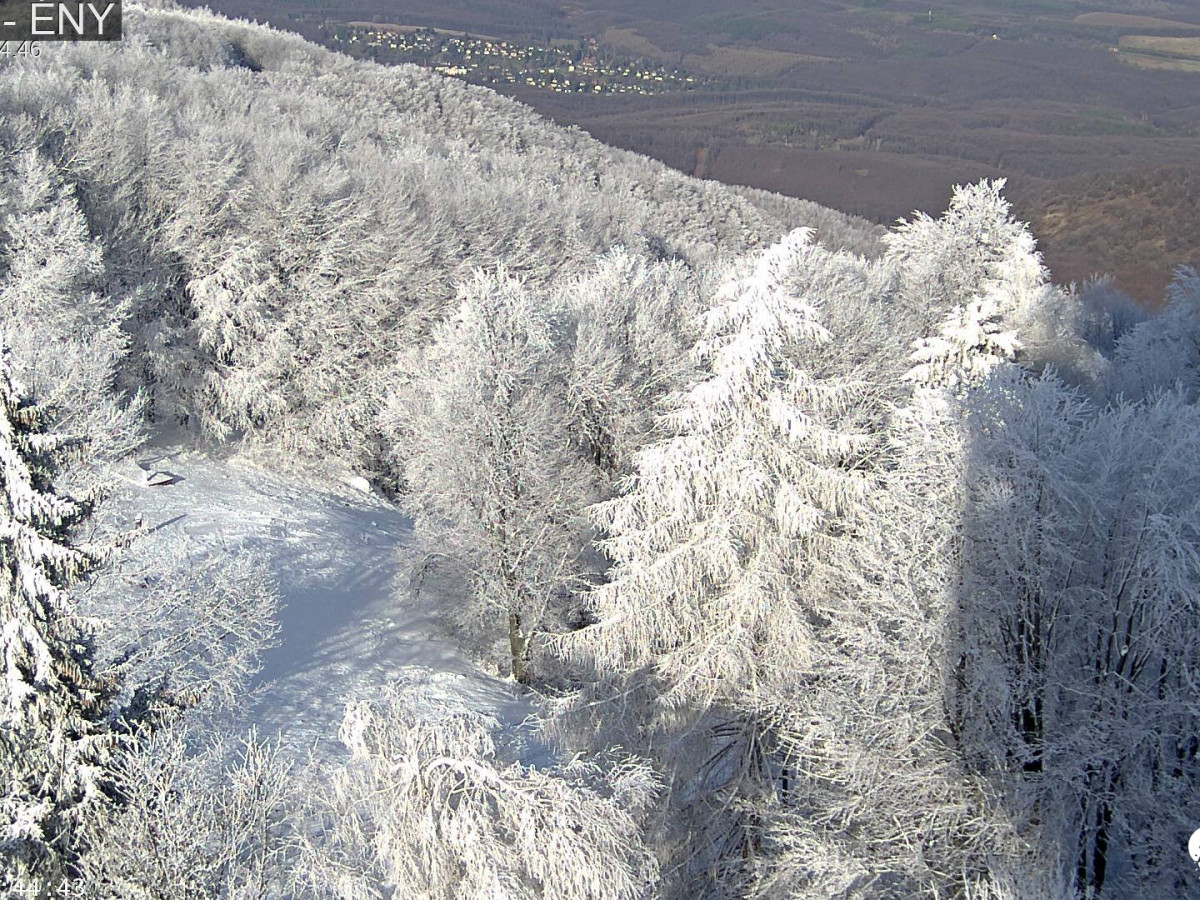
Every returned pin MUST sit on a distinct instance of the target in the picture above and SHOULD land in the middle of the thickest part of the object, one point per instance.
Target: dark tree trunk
(518, 643)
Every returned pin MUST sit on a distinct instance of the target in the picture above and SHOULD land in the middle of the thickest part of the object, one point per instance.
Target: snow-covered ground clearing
(332, 548)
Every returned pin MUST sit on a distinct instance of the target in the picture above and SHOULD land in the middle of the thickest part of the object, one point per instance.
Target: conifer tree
(971, 341)
(52, 275)
(710, 538)
(974, 247)
(719, 543)
(53, 706)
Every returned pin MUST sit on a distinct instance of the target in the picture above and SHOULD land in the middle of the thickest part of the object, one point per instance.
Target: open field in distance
(1121, 20)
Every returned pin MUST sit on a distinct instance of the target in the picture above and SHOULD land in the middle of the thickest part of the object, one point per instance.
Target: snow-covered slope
(344, 632)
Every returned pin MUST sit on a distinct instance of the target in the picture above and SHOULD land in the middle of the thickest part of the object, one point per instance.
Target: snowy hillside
(346, 631)
(283, 220)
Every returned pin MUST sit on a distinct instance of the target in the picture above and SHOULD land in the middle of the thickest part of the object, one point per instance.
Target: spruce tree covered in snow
(879, 802)
(54, 735)
(720, 542)
(969, 343)
(974, 277)
(62, 329)
(718, 520)
(885, 801)
(945, 262)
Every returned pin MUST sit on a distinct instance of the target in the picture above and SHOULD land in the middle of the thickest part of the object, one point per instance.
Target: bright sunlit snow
(333, 550)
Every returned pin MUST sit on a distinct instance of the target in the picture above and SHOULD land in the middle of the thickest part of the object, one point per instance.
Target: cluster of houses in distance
(562, 66)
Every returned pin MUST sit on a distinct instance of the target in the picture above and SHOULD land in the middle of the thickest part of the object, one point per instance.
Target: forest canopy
(832, 561)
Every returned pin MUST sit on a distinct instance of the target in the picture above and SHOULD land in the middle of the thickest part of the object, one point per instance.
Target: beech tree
(1045, 589)
(1107, 314)
(303, 235)
(200, 815)
(1078, 631)
(1162, 352)
(433, 809)
(631, 325)
(54, 735)
(491, 473)
(176, 621)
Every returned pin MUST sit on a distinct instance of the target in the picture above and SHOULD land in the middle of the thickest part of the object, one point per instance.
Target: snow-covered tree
(218, 821)
(1163, 352)
(718, 521)
(1041, 565)
(1078, 627)
(182, 625)
(970, 342)
(948, 261)
(63, 332)
(433, 809)
(878, 802)
(492, 475)
(974, 276)
(631, 323)
(1107, 314)
(873, 796)
(250, 355)
(720, 542)
(54, 709)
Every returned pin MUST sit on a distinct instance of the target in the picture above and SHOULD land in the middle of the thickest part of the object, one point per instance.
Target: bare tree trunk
(518, 643)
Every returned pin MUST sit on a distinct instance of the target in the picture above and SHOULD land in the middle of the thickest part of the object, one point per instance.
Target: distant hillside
(1144, 223)
(875, 108)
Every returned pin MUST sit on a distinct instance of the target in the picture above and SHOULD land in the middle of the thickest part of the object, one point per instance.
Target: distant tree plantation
(819, 560)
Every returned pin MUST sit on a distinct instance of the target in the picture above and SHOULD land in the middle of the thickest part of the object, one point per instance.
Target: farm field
(1180, 54)
(1122, 20)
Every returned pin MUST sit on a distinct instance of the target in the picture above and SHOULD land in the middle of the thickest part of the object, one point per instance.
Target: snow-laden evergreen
(721, 539)
(54, 709)
(969, 343)
(714, 528)
(63, 331)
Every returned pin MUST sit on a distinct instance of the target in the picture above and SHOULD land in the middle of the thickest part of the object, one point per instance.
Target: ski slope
(332, 548)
